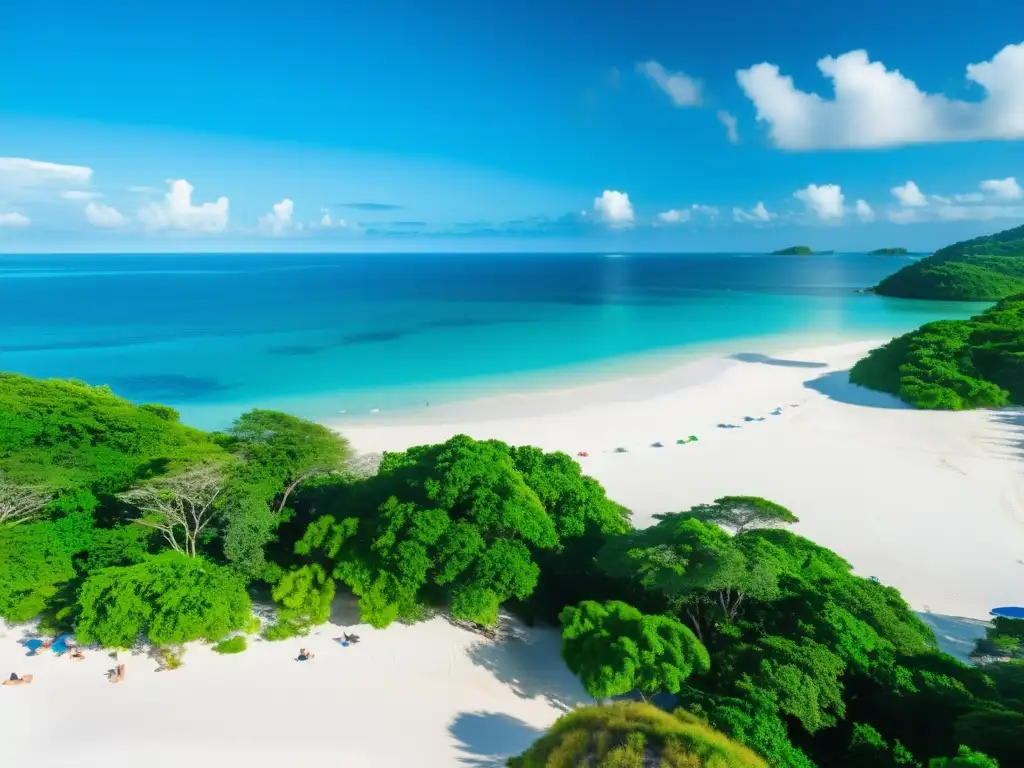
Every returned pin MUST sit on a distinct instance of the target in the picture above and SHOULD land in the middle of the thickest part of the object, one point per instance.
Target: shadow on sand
(528, 662)
(956, 636)
(836, 386)
(488, 739)
(756, 357)
(1010, 422)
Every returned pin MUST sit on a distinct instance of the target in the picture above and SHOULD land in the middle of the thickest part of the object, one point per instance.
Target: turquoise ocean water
(320, 334)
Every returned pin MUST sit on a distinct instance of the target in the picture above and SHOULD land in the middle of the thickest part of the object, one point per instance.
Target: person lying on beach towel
(118, 674)
(352, 639)
(582, 453)
(77, 655)
(15, 680)
(304, 655)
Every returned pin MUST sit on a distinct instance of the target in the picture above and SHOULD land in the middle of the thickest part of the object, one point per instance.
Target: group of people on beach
(117, 674)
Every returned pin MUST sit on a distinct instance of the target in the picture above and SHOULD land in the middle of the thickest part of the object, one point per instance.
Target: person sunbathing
(351, 638)
(77, 655)
(118, 675)
(15, 680)
(304, 655)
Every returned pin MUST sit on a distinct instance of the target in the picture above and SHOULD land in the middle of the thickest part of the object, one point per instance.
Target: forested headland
(954, 364)
(124, 526)
(987, 268)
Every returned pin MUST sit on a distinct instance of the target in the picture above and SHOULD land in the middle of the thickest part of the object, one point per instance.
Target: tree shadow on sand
(488, 739)
(954, 634)
(528, 662)
(756, 357)
(1010, 423)
(837, 386)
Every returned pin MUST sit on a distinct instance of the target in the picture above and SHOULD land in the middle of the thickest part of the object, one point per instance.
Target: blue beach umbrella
(1009, 612)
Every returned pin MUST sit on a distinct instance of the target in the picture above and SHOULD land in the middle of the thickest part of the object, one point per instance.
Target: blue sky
(468, 125)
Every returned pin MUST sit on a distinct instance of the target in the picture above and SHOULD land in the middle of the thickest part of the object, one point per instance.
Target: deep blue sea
(318, 334)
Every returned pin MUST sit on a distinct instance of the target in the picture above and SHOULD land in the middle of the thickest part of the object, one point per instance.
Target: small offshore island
(888, 252)
(800, 250)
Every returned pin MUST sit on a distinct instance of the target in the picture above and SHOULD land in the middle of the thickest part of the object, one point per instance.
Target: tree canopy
(615, 649)
(631, 734)
(954, 364)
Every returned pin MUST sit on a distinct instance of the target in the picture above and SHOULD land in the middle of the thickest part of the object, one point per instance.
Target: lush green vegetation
(235, 644)
(633, 735)
(124, 526)
(795, 250)
(986, 268)
(954, 364)
(888, 252)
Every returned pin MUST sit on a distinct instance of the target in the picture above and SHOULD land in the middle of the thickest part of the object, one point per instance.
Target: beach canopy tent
(1009, 612)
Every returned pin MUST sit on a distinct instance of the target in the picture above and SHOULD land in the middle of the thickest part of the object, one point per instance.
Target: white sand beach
(932, 503)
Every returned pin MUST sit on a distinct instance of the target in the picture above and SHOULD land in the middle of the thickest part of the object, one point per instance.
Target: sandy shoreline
(932, 503)
(929, 502)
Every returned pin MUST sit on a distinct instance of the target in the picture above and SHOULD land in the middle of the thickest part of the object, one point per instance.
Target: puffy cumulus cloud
(674, 216)
(704, 210)
(279, 219)
(14, 220)
(104, 216)
(757, 213)
(865, 212)
(874, 106)
(614, 208)
(729, 121)
(683, 90)
(176, 211)
(825, 202)
(909, 195)
(326, 222)
(78, 195)
(1007, 189)
(21, 171)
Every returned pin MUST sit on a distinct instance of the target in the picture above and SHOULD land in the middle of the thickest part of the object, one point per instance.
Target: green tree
(614, 649)
(965, 758)
(34, 563)
(633, 735)
(744, 513)
(168, 599)
(452, 523)
(279, 454)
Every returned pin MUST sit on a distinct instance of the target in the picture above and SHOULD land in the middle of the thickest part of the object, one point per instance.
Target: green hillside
(986, 268)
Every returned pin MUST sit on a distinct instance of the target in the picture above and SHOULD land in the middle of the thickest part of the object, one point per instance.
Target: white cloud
(683, 90)
(909, 195)
(826, 201)
(1007, 189)
(757, 213)
(674, 216)
(14, 220)
(326, 220)
(78, 195)
(143, 190)
(176, 211)
(729, 121)
(877, 107)
(21, 171)
(978, 212)
(614, 208)
(864, 211)
(100, 215)
(279, 219)
(707, 210)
